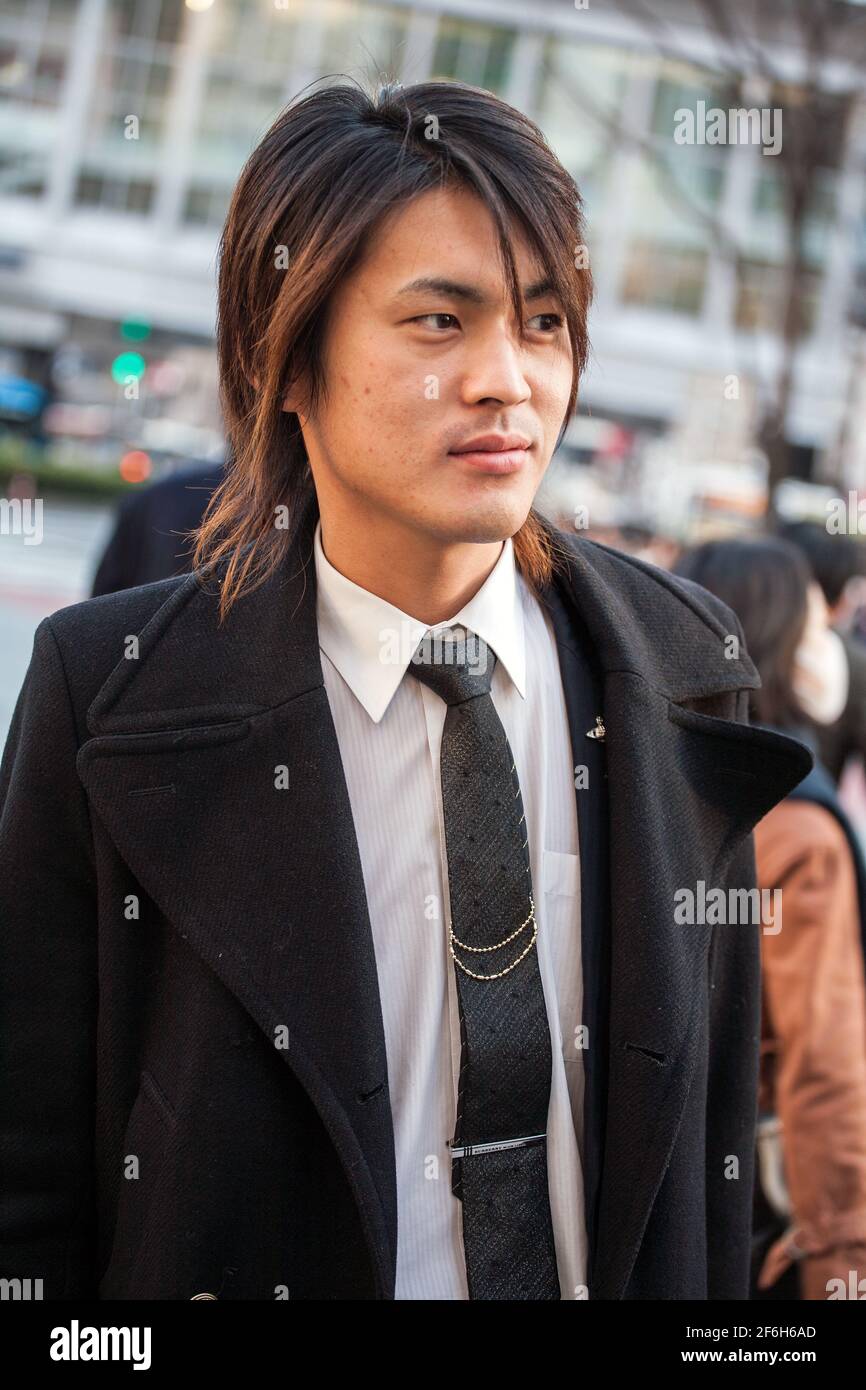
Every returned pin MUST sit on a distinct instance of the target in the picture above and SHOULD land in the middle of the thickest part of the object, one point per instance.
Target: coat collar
(206, 719)
(267, 652)
(356, 626)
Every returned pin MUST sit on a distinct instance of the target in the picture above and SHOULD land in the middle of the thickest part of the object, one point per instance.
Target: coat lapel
(683, 789)
(582, 682)
(227, 799)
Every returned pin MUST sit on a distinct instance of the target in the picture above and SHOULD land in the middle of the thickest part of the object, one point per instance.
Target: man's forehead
(446, 236)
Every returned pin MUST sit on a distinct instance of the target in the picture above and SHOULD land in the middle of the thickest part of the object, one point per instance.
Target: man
(338, 878)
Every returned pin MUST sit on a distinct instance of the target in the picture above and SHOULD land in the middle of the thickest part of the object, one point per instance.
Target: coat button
(203, 1295)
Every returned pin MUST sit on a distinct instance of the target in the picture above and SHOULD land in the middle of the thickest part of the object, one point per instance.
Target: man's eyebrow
(434, 284)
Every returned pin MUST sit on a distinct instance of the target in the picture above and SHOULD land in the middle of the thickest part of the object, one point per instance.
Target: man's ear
(296, 398)
(292, 401)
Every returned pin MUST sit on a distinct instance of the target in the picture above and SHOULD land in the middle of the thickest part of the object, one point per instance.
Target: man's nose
(496, 371)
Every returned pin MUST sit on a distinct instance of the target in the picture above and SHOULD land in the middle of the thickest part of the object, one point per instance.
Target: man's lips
(494, 454)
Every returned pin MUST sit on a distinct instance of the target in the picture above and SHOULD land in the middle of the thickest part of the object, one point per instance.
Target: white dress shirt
(389, 727)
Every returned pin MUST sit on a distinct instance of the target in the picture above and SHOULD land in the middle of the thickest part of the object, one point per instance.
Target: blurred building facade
(124, 124)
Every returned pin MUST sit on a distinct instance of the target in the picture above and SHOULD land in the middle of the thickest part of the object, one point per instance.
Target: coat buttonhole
(647, 1052)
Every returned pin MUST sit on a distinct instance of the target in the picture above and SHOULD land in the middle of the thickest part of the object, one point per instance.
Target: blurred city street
(36, 580)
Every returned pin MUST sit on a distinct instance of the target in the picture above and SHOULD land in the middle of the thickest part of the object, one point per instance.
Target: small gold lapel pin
(599, 730)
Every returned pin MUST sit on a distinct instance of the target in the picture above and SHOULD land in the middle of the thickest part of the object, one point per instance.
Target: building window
(692, 171)
(761, 297)
(160, 21)
(670, 243)
(114, 194)
(206, 205)
(578, 97)
(479, 54)
(664, 277)
(127, 121)
(762, 270)
(255, 48)
(34, 43)
(360, 40)
(251, 32)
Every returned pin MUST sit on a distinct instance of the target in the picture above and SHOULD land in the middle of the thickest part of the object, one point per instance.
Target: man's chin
(478, 530)
(486, 518)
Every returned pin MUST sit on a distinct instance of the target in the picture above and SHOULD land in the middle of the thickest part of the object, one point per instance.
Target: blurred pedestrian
(810, 1196)
(150, 539)
(838, 563)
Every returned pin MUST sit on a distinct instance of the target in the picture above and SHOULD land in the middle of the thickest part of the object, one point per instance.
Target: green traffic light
(128, 364)
(134, 330)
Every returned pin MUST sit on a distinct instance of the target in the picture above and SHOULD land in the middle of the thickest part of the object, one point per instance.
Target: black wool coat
(194, 1079)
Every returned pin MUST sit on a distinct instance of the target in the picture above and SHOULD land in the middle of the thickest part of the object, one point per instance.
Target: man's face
(422, 361)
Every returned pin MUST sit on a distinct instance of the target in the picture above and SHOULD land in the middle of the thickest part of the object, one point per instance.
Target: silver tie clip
(461, 1150)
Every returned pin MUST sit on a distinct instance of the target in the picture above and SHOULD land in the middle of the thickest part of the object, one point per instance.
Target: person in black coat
(220, 909)
(150, 538)
(810, 1196)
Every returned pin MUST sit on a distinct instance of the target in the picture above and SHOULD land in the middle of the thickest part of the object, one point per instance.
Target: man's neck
(423, 577)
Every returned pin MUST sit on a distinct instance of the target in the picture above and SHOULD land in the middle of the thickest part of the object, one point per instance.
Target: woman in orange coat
(813, 1043)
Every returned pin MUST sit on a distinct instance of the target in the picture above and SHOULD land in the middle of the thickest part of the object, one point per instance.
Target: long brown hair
(304, 207)
(765, 579)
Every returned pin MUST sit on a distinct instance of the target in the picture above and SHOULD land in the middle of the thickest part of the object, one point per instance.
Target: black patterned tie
(499, 1163)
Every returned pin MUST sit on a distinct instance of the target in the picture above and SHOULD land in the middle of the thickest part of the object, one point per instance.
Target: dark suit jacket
(167, 912)
(148, 541)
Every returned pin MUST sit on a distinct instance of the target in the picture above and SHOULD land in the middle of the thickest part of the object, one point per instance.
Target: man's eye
(425, 319)
(554, 322)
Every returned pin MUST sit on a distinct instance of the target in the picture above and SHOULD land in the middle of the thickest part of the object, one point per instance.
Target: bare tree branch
(725, 20)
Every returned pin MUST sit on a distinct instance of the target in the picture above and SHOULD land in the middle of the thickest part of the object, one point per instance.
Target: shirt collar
(371, 642)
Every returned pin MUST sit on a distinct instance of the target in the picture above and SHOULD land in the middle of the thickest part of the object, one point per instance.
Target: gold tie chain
(504, 942)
